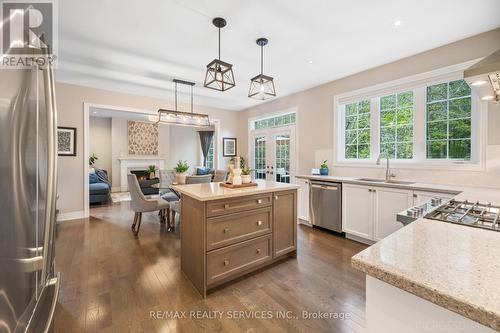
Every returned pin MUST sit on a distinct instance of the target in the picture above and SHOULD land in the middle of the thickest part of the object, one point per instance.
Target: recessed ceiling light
(310, 62)
(397, 23)
(487, 98)
(478, 83)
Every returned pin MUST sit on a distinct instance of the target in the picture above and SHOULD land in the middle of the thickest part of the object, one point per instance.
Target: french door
(272, 154)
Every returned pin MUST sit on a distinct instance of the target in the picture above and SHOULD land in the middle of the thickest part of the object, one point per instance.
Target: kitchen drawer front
(236, 205)
(230, 229)
(235, 259)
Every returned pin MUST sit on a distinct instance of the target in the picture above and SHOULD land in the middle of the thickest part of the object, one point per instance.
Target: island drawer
(236, 259)
(236, 205)
(233, 228)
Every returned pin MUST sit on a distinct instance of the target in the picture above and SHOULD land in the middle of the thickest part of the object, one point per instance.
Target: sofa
(99, 186)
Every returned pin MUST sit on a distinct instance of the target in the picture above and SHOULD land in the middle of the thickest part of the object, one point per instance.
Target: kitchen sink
(378, 180)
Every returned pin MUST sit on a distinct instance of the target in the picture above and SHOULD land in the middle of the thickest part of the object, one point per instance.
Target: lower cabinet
(421, 197)
(284, 222)
(357, 210)
(370, 212)
(389, 202)
(303, 200)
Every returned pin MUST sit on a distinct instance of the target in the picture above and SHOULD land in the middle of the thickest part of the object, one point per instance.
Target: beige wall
(315, 128)
(70, 101)
(100, 142)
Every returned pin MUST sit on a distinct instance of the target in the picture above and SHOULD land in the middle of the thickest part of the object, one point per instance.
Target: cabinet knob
(226, 206)
(258, 251)
(369, 190)
(259, 222)
(275, 197)
(259, 201)
(414, 195)
(226, 262)
(226, 230)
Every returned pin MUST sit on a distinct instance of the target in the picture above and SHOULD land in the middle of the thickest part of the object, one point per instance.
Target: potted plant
(152, 171)
(92, 159)
(246, 174)
(323, 169)
(181, 169)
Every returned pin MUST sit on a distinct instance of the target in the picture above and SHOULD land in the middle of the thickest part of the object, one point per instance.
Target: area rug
(120, 196)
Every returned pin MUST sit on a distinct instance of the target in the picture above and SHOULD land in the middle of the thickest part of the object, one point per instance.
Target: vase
(152, 175)
(180, 178)
(246, 179)
(323, 171)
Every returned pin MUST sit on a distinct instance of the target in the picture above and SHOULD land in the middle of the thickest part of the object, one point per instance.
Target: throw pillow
(202, 171)
(93, 178)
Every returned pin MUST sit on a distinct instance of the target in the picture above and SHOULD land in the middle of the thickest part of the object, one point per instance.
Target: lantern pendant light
(219, 74)
(262, 86)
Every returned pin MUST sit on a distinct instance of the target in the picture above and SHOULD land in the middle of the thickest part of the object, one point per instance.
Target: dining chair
(140, 204)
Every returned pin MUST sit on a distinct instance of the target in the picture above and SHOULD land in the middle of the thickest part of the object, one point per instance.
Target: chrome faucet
(388, 174)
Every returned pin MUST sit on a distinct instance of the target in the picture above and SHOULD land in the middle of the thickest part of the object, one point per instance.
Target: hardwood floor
(112, 281)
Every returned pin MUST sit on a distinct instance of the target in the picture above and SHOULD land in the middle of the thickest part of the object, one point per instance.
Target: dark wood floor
(111, 281)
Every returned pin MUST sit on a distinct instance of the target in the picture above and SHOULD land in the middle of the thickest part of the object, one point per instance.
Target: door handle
(30, 265)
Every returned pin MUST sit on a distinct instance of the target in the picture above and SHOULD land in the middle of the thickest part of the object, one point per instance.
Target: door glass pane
(282, 157)
(260, 157)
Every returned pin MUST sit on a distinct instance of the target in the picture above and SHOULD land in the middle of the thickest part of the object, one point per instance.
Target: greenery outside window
(282, 120)
(448, 121)
(357, 130)
(211, 155)
(396, 125)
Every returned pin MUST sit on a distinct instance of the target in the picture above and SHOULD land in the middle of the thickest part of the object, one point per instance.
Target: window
(357, 130)
(448, 121)
(282, 120)
(432, 119)
(211, 155)
(260, 157)
(396, 125)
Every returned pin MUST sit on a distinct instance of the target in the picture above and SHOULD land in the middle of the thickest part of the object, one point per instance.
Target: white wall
(100, 142)
(315, 121)
(185, 145)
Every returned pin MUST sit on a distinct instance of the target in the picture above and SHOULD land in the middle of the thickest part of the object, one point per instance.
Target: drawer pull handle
(259, 222)
(259, 201)
(226, 206)
(226, 262)
(258, 251)
(226, 230)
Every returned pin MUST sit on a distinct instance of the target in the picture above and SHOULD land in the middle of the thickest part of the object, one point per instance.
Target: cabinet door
(357, 217)
(284, 222)
(389, 202)
(303, 199)
(422, 197)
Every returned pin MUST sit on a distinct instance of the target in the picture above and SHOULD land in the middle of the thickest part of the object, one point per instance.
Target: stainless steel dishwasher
(326, 205)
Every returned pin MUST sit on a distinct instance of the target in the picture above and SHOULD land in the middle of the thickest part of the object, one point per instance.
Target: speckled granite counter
(213, 191)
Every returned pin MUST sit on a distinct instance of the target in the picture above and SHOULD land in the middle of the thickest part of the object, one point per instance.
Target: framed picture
(66, 141)
(229, 147)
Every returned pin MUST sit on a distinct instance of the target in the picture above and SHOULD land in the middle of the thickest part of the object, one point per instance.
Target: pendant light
(180, 118)
(219, 74)
(262, 86)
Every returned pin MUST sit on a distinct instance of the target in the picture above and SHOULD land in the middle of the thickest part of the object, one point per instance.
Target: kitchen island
(227, 233)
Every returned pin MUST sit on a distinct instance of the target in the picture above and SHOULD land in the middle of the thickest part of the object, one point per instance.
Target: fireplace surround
(145, 182)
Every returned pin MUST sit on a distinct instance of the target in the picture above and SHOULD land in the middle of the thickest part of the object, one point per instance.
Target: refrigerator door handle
(30, 265)
(43, 314)
(48, 79)
(56, 282)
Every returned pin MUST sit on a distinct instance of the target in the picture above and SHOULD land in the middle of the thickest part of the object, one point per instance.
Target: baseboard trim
(71, 215)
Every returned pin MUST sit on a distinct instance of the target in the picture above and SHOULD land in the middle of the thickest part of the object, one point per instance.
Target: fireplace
(145, 182)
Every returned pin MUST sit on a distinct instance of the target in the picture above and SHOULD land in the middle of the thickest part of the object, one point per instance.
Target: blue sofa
(99, 187)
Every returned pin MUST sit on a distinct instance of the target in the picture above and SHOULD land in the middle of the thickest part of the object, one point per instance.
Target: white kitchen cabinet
(421, 197)
(387, 203)
(357, 210)
(303, 200)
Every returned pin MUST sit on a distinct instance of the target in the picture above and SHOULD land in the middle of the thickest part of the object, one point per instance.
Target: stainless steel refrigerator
(29, 285)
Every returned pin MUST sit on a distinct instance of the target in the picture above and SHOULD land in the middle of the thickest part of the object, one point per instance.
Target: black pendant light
(219, 74)
(262, 86)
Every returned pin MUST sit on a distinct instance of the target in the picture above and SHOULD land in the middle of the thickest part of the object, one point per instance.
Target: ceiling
(140, 46)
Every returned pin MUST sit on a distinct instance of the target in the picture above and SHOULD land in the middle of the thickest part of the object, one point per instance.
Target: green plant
(181, 166)
(92, 159)
(246, 171)
(152, 168)
(324, 165)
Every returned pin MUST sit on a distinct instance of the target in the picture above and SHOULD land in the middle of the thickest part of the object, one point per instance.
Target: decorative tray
(229, 185)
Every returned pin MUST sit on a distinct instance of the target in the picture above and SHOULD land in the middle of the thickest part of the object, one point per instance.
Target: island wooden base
(227, 238)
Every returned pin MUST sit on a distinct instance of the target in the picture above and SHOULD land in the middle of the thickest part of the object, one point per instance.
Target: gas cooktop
(474, 214)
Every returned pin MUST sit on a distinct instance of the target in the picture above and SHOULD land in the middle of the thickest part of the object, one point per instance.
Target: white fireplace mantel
(128, 163)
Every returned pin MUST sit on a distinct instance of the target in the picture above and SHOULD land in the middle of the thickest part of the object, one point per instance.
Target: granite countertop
(453, 266)
(213, 191)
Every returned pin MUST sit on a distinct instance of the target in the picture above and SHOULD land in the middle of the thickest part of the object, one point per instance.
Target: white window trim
(418, 84)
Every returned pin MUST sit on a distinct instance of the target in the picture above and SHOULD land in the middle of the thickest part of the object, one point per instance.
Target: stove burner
(475, 214)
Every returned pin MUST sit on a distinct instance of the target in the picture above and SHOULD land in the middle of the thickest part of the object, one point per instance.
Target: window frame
(418, 84)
